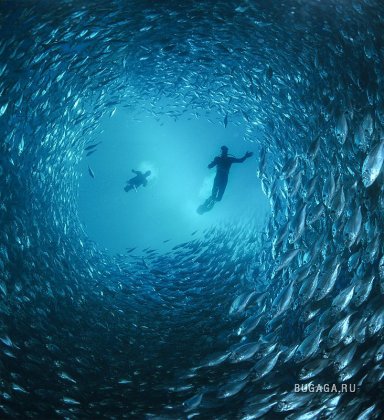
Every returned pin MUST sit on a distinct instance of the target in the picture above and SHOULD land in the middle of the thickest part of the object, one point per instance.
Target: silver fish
(352, 227)
(308, 347)
(372, 164)
(341, 129)
(338, 331)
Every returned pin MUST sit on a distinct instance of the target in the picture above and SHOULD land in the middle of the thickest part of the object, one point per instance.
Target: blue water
(132, 305)
(164, 213)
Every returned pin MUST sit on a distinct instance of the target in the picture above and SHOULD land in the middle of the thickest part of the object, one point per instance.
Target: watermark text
(319, 388)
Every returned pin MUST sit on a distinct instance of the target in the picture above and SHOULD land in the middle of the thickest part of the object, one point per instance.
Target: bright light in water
(163, 213)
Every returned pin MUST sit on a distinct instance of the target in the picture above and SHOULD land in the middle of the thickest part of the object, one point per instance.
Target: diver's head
(224, 150)
(147, 173)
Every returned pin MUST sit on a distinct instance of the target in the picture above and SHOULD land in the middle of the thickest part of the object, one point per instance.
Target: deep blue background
(177, 153)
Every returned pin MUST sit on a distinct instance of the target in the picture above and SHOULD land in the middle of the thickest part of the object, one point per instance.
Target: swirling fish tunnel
(228, 325)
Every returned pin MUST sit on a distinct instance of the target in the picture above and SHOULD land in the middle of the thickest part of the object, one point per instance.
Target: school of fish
(230, 323)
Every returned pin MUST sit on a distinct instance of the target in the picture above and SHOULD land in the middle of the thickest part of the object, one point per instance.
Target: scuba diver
(136, 181)
(223, 164)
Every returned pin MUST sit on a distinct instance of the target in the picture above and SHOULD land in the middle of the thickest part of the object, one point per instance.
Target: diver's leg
(223, 186)
(129, 186)
(215, 189)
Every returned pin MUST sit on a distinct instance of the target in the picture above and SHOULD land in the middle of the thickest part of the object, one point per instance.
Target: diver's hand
(249, 154)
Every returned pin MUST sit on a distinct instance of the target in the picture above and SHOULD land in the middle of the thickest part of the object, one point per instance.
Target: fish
(266, 364)
(379, 353)
(352, 227)
(342, 300)
(290, 167)
(372, 164)
(286, 259)
(256, 411)
(3, 109)
(298, 225)
(309, 286)
(91, 173)
(244, 352)
(283, 299)
(367, 124)
(344, 357)
(262, 163)
(92, 146)
(70, 401)
(368, 412)
(7, 341)
(226, 322)
(362, 289)
(329, 190)
(348, 372)
(226, 120)
(341, 129)
(338, 331)
(315, 213)
(354, 260)
(328, 279)
(90, 153)
(376, 323)
(215, 360)
(231, 389)
(66, 377)
(338, 203)
(301, 273)
(308, 347)
(360, 138)
(249, 324)
(307, 415)
(240, 303)
(314, 147)
(193, 402)
(311, 187)
(291, 401)
(313, 368)
(281, 234)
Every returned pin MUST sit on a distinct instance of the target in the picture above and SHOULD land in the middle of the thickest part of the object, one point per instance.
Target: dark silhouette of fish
(91, 173)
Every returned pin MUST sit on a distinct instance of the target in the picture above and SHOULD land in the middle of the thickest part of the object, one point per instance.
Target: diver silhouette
(223, 165)
(136, 181)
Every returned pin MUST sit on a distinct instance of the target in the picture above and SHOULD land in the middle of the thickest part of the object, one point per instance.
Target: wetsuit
(135, 182)
(223, 164)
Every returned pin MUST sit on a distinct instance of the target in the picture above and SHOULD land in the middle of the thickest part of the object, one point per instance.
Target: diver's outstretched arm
(241, 160)
(213, 163)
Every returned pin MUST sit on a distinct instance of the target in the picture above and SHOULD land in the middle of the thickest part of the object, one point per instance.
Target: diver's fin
(206, 206)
